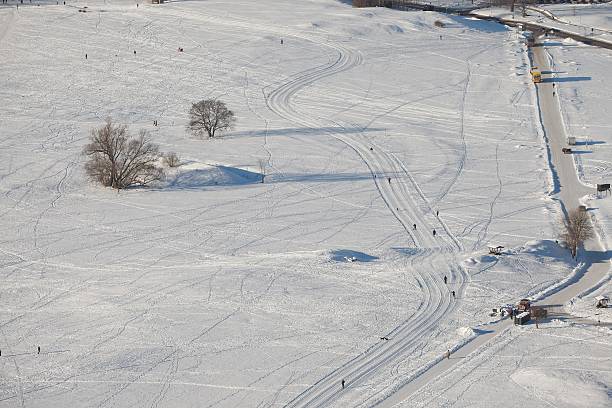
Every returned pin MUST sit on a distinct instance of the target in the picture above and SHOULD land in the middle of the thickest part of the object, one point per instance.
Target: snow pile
(194, 175)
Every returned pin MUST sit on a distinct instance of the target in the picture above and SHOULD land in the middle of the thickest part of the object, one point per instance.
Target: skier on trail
(437, 212)
(389, 179)
(414, 226)
(434, 233)
(38, 349)
(453, 292)
(445, 279)
(343, 383)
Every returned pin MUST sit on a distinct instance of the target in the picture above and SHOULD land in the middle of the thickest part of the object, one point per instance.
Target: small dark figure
(437, 212)
(343, 383)
(445, 279)
(434, 233)
(85, 56)
(440, 37)
(384, 338)
(553, 93)
(448, 353)
(389, 179)
(453, 292)
(0, 353)
(38, 349)
(414, 226)
(281, 41)
(134, 52)
(371, 148)
(136, 5)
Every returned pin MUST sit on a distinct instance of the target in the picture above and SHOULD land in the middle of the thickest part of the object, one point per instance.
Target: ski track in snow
(396, 193)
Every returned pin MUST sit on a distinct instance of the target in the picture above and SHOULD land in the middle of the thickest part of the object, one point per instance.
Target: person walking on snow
(445, 279)
(389, 179)
(447, 354)
(414, 226)
(453, 292)
(343, 383)
(434, 233)
(437, 212)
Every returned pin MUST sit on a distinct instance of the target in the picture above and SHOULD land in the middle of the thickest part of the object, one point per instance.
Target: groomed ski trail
(408, 208)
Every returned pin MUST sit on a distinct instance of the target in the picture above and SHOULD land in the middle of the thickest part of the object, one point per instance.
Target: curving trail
(409, 206)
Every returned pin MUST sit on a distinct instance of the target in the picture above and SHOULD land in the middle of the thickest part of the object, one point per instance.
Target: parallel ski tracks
(400, 199)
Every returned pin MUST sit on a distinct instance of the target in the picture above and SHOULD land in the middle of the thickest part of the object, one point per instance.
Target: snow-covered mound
(196, 175)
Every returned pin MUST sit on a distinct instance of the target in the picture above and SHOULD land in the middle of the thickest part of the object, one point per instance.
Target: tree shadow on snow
(591, 257)
(568, 79)
(590, 142)
(301, 131)
(317, 177)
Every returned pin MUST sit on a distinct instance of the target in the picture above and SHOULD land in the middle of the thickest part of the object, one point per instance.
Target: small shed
(602, 301)
(522, 318)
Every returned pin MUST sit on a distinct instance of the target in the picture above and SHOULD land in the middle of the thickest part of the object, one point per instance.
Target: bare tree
(210, 116)
(117, 160)
(171, 159)
(577, 229)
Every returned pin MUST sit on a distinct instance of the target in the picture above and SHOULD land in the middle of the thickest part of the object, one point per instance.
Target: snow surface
(213, 289)
(592, 20)
(528, 366)
(583, 85)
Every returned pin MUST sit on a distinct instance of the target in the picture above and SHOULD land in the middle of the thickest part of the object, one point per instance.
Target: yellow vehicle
(536, 75)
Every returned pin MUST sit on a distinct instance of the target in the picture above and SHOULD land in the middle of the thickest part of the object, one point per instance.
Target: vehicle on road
(536, 75)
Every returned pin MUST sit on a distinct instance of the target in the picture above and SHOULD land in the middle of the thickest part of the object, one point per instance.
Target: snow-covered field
(212, 289)
(529, 367)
